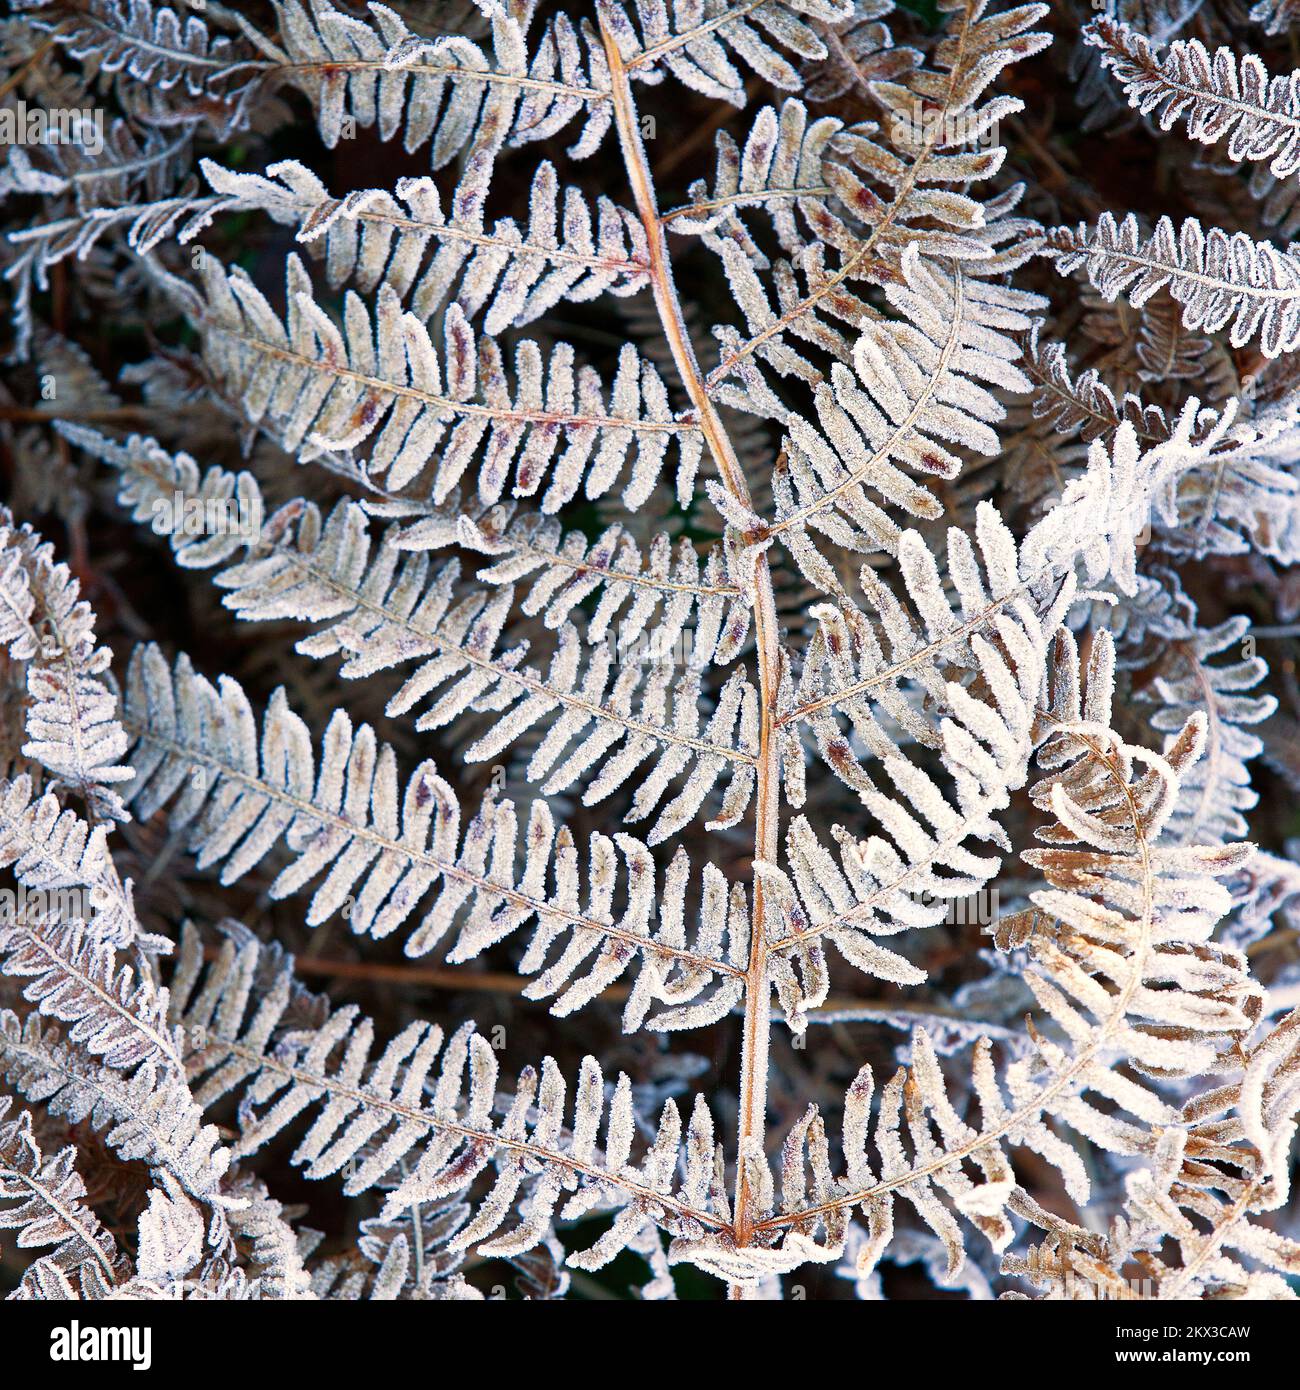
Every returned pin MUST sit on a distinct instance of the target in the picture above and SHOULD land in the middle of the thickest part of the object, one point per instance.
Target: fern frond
(387, 852)
(276, 1253)
(565, 568)
(923, 858)
(113, 1013)
(1127, 969)
(860, 51)
(917, 380)
(1219, 97)
(44, 1200)
(569, 249)
(1215, 792)
(130, 163)
(53, 850)
(933, 134)
(380, 73)
(1225, 1164)
(410, 1100)
(322, 389)
(1084, 403)
(154, 45)
(71, 722)
(1221, 281)
(385, 610)
(779, 169)
(148, 1116)
(306, 568)
(696, 41)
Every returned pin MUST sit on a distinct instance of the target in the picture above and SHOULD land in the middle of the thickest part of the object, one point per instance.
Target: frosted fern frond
(1123, 968)
(1221, 280)
(926, 152)
(860, 50)
(71, 720)
(923, 857)
(1237, 495)
(697, 41)
(386, 608)
(1209, 1180)
(385, 614)
(569, 249)
(918, 385)
(321, 389)
(44, 1200)
(49, 244)
(855, 661)
(324, 568)
(155, 45)
(1083, 402)
(96, 194)
(565, 568)
(779, 168)
(1275, 15)
(435, 1099)
(277, 1254)
(1219, 97)
(388, 851)
(376, 71)
(1215, 792)
(131, 163)
(730, 478)
(52, 850)
(148, 1116)
(113, 1012)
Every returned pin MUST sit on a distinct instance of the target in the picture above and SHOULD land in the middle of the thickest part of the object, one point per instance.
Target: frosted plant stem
(757, 1021)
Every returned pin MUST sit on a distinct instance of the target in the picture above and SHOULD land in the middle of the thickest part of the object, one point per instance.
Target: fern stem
(756, 1028)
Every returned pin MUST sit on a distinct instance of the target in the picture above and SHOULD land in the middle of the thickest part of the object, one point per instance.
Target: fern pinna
(754, 542)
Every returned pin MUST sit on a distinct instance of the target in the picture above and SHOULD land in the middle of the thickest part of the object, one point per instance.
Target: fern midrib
(756, 1027)
(131, 166)
(1213, 1240)
(609, 575)
(1213, 742)
(183, 58)
(743, 199)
